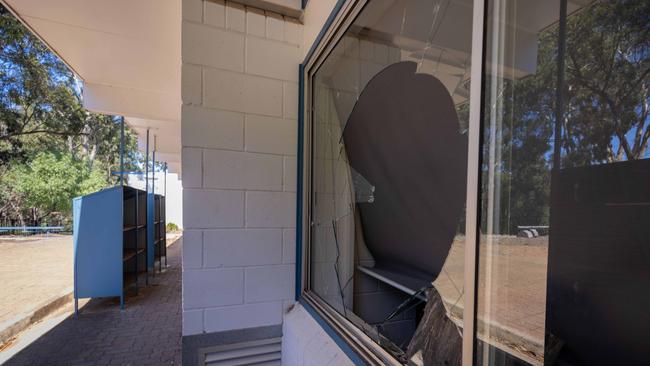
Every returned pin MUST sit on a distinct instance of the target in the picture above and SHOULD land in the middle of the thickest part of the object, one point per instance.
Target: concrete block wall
(240, 101)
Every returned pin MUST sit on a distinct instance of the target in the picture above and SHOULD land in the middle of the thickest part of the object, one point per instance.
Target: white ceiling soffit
(167, 135)
(128, 53)
(164, 137)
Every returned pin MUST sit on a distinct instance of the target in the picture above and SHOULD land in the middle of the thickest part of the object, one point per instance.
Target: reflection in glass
(389, 159)
(564, 262)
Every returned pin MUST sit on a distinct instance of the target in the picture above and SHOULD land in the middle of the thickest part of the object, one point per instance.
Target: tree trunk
(436, 339)
(21, 219)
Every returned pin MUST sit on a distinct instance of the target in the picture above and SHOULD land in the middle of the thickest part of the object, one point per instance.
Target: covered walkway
(147, 332)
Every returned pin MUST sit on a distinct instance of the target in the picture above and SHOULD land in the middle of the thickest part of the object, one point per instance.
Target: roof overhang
(128, 55)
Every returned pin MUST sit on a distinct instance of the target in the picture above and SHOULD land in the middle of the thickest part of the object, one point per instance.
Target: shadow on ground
(147, 332)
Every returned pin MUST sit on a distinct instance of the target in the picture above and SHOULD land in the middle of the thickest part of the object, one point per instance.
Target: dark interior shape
(598, 288)
(403, 137)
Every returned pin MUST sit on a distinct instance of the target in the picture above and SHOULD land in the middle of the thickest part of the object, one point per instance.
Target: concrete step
(12, 327)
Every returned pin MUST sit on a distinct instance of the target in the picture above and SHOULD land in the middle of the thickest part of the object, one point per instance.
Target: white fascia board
(131, 102)
(167, 134)
(168, 157)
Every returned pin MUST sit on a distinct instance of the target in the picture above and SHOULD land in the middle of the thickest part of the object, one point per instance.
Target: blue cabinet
(156, 232)
(110, 242)
(160, 231)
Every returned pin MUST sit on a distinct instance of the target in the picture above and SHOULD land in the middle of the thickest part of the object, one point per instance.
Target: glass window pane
(564, 255)
(389, 160)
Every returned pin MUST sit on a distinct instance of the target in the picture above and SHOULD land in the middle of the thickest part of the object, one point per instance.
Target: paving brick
(148, 331)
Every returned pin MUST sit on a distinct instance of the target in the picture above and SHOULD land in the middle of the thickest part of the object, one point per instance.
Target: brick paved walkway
(147, 332)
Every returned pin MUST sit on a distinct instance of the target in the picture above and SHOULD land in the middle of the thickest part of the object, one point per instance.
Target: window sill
(357, 345)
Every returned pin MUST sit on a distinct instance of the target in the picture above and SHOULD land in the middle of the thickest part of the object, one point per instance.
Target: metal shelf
(131, 253)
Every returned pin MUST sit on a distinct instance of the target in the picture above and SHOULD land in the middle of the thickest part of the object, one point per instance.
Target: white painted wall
(174, 197)
(304, 342)
(314, 17)
(240, 101)
(239, 123)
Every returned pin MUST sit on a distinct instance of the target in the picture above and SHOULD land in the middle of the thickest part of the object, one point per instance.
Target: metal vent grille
(265, 352)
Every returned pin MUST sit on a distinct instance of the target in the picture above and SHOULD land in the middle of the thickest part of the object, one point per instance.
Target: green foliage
(605, 117)
(49, 181)
(37, 97)
(51, 148)
(608, 83)
(171, 227)
(94, 181)
(47, 184)
(41, 107)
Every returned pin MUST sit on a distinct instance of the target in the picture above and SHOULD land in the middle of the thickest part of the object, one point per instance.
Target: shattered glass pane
(564, 255)
(389, 125)
(363, 190)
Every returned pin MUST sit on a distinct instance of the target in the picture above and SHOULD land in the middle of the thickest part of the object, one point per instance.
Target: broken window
(389, 167)
(564, 255)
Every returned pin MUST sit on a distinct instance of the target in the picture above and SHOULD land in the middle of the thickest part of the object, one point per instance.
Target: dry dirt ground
(511, 270)
(511, 291)
(147, 332)
(33, 270)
